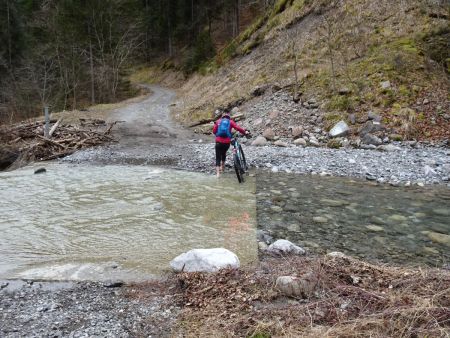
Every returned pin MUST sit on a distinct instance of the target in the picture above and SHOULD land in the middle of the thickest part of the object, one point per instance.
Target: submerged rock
(374, 228)
(283, 246)
(205, 260)
(320, 219)
(40, 171)
(439, 238)
(442, 212)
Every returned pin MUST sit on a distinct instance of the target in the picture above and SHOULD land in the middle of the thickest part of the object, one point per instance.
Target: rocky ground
(84, 309)
(406, 165)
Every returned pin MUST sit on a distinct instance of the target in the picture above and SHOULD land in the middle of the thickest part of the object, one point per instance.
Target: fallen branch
(52, 130)
(50, 141)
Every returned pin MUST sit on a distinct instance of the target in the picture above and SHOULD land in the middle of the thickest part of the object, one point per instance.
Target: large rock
(205, 260)
(300, 142)
(283, 246)
(373, 116)
(259, 141)
(303, 287)
(370, 127)
(340, 129)
(314, 142)
(371, 140)
(269, 134)
(297, 132)
(280, 143)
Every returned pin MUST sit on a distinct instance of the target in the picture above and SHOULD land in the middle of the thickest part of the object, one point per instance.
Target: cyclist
(222, 130)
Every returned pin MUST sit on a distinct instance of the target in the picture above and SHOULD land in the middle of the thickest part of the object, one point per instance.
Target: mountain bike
(240, 163)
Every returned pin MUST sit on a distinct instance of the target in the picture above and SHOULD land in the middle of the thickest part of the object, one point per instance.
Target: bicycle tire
(237, 168)
(243, 160)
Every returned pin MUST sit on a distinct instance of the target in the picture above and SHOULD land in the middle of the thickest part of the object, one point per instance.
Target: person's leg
(224, 156)
(218, 158)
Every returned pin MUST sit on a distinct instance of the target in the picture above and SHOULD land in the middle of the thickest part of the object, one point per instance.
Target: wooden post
(47, 122)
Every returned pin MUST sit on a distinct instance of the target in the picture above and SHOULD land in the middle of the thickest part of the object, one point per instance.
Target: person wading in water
(223, 131)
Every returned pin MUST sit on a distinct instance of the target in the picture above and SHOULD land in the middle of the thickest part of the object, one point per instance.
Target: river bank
(85, 309)
(347, 297)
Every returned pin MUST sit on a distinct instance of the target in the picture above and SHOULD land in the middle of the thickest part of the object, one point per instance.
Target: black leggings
(221, 153)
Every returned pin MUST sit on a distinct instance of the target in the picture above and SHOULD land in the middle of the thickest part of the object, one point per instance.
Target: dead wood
(26, 139)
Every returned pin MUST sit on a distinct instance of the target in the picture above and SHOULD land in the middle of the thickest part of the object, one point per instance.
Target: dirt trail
(149, 122)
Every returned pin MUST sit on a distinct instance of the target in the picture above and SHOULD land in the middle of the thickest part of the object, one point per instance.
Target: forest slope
(352, 56)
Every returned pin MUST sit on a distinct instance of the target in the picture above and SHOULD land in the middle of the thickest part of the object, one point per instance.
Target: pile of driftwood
(28, 140)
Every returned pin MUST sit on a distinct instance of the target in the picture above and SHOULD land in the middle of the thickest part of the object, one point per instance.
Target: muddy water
(128, 222)
(402, 225)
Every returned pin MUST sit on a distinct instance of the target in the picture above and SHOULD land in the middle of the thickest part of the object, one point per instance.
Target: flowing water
(127, 222)
(402, 225)
(105, 222)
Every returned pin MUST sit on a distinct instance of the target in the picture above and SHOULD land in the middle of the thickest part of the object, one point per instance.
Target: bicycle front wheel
(238, 168)
(243, 160)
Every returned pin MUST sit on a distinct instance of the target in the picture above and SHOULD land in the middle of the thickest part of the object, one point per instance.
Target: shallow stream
(105, 222)
(85, 222)
(402, 225)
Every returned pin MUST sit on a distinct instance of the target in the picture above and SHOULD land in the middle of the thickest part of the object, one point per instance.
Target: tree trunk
(9, 33)
(169, 36)
(237, 21)
(91, 63)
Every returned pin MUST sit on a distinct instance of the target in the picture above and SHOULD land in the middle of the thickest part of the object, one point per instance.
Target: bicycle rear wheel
(238, 168)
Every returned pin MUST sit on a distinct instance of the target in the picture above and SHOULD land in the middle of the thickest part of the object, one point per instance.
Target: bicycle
(240, 163)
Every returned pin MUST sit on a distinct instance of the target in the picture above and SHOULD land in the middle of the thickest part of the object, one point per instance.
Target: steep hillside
(352, 57)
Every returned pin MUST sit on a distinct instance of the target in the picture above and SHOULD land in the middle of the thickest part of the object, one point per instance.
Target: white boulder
(340, 129)
(205, 260)
(283, 246)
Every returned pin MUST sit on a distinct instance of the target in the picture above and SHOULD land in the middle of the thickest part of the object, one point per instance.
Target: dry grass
(352, 299)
